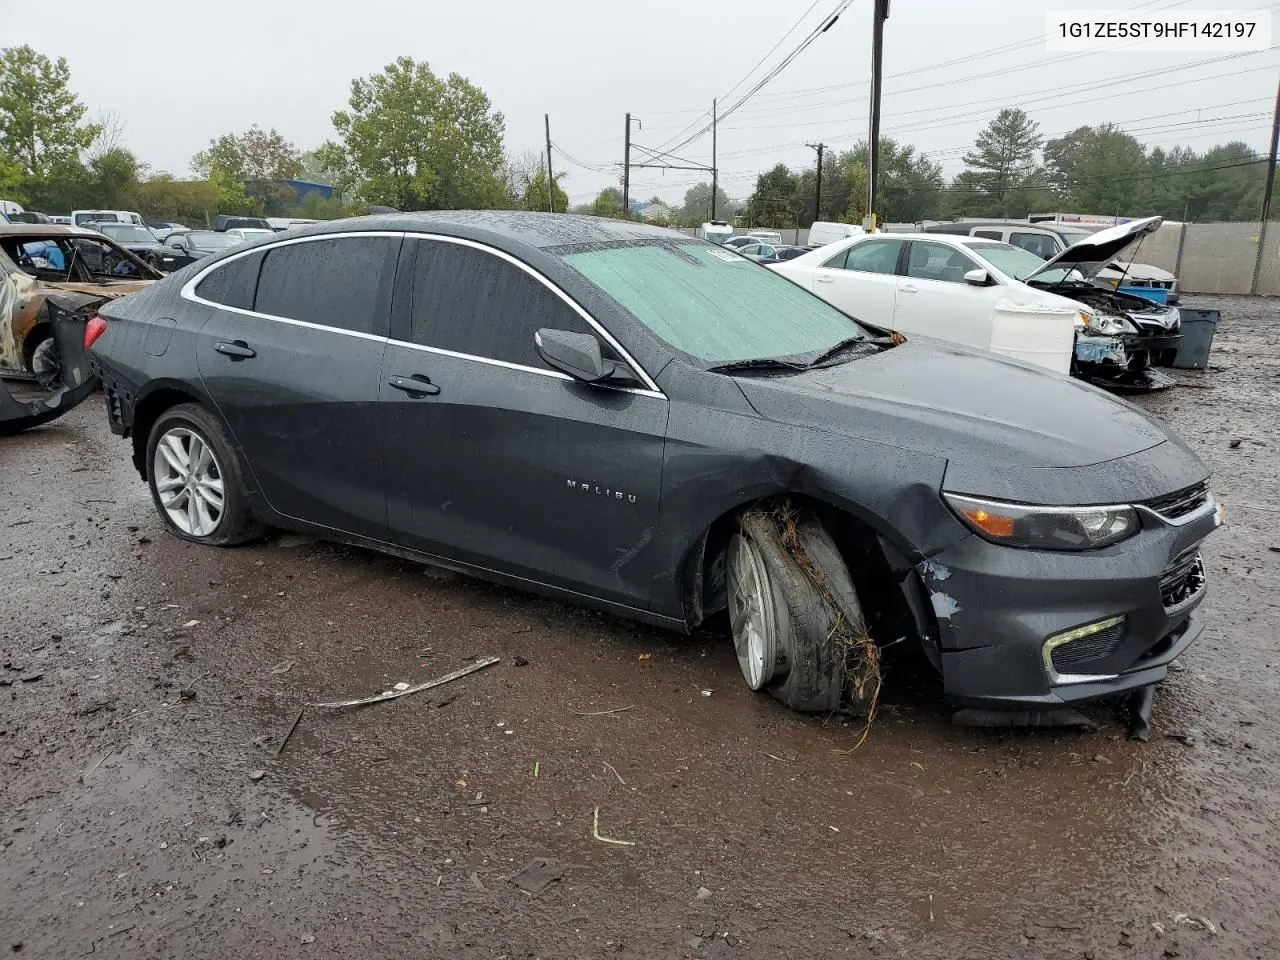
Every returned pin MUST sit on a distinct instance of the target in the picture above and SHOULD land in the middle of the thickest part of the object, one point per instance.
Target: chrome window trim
(188, 292)
(546, 282)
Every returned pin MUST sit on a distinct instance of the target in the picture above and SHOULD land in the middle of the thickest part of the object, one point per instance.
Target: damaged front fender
(25, 405)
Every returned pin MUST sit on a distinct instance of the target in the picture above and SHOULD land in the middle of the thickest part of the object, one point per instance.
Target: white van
(80, 217)
(717, 231)
(824, 231)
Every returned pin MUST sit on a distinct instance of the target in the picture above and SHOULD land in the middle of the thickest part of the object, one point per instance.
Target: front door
(935, 300)
(496, 460)
(294, 371)
(860, 280)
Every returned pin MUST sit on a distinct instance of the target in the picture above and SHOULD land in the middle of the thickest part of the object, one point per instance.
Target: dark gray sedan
(626, 417)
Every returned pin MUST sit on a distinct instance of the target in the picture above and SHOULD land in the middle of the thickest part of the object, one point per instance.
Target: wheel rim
(188, 481)
(46, 364)
(751, 613)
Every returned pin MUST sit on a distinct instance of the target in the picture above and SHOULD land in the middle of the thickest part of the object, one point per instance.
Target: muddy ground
(148, 683)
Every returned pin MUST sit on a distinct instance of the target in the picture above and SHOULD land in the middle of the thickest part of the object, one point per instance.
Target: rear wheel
(196, 480)
(798, 628)
(46, 363)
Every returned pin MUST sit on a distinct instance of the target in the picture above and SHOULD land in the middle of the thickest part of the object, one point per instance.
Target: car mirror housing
(578, 355)
(979, 277)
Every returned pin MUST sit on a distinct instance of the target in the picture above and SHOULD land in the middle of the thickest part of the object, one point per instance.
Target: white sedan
(958, 288)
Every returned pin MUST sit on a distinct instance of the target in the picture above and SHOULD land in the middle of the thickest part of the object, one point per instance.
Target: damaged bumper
(1037, 630)
(24, 405)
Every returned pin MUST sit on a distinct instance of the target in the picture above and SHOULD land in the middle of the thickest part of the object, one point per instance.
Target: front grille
(1180, 504)
(1183, 580)
(1070, 657)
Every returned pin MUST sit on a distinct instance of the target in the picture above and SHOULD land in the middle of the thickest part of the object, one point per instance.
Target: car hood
(1091, 255)
(963, 405)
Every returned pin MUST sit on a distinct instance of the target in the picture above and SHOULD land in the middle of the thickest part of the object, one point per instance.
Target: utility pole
(817, 193)
(626, 170)
(881, 14)
(1271, 163)
(551, 180)
(1266, 194)
(714, 178)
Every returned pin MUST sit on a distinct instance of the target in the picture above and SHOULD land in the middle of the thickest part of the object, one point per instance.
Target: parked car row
(705, 435)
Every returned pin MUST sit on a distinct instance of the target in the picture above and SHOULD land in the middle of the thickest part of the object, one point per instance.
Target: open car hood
(1091, 255)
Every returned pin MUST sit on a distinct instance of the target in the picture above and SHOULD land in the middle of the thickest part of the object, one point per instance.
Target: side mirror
(578, 354)
(979, 278)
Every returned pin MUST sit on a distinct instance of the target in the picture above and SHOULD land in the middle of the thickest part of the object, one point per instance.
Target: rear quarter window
(232, 284)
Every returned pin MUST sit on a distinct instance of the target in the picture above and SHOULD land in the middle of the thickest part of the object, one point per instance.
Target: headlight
(1105, 326)
(1045, 528)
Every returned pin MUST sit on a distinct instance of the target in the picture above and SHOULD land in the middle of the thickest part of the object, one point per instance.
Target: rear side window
(874, 256)
(988, 234)
(473, 302)
(233, 283)
(344, 282)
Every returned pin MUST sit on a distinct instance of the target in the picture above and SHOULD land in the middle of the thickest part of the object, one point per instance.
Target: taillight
(95, 328)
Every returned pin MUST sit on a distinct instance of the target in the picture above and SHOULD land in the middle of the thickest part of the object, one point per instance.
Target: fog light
(1078, 633)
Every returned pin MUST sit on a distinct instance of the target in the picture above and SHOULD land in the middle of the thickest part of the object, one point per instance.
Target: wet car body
(624, 488)
(24, 320)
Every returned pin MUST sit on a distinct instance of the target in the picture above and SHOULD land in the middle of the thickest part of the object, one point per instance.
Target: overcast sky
(179, 75)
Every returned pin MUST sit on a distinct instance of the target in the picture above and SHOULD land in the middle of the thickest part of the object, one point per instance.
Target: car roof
(539, 230)
(45, 230)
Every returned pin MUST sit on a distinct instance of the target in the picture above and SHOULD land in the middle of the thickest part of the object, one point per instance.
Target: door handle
(908, 288)
(415, 386)
(236, 349)
(823, 278)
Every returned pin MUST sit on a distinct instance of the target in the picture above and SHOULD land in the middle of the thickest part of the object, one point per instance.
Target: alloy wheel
(188, 480)
(751, 613)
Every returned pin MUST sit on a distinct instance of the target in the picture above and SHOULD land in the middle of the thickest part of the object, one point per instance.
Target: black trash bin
(1198, 327)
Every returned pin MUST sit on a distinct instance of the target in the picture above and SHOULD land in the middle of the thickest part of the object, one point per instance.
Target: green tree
(535, 194)
(909, 186)
(114, 176)
(1099, 170)
(696, 208)
(411, 140)
(254, 156)
(773, 203)
(1003, 158)
(608, 203)
(41, 120)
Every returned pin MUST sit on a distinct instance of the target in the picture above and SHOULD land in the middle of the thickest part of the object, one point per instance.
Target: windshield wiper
(759, 363)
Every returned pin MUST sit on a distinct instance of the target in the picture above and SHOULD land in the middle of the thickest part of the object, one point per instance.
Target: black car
(226, 222)
(187, 246)
(136, 239)
(626, 417)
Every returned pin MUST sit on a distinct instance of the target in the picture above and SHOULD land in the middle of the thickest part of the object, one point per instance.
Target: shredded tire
(827, 659)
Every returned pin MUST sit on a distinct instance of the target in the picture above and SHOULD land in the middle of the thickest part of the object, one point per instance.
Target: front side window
(936, 261)
(874, 256)
(709, 304)
(474, 302)
(342, 282)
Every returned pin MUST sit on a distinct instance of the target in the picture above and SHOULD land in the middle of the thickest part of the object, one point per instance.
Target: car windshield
(127, 233)
(209, 241)
(712, 304)
(1015, 262)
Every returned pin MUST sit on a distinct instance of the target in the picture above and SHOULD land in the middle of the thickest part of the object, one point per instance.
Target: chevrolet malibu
(629, 418)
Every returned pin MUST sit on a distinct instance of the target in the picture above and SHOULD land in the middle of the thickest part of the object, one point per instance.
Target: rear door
(934, 299)
(861, 280)
(291, 355)
(495, 459)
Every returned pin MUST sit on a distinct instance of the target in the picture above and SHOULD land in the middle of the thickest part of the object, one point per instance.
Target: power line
(827, 23)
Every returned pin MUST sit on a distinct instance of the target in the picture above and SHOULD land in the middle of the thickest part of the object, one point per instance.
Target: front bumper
(996, 607)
